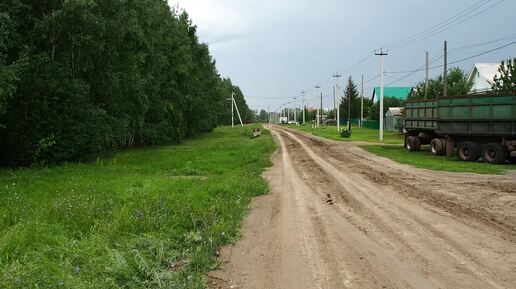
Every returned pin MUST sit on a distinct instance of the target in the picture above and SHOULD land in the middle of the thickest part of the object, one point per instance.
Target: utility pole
(450, 141)
(238, 112)
(445, 91)
(337, 106)
(381, 54)
(350, 103)
(427, 84)
(319, 112)
(334, 103)
(304, 104)
(362, 103)
(322, 110)
(232, 109)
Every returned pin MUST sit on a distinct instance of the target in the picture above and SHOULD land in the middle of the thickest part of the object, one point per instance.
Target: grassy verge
(145, 218)
(424, 159)
(358, 134)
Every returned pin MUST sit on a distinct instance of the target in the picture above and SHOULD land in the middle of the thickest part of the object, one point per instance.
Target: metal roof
(400, 93)
(394, 111)
(482, 76)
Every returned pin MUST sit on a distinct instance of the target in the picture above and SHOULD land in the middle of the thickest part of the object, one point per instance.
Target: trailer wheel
(413, 143)
(468, 151)
(438, 147)
(494, 153)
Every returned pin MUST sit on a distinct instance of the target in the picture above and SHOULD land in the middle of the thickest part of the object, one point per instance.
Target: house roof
(394, 111)
(400, 93)
(482, 76)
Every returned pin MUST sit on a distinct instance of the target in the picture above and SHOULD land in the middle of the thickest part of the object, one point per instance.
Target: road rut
(339, 217)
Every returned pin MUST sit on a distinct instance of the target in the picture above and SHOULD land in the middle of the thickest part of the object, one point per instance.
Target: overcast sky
(274, 49)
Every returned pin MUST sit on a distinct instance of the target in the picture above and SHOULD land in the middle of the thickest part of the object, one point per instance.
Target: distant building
(482, 76)
(400, 93)
(392, 118)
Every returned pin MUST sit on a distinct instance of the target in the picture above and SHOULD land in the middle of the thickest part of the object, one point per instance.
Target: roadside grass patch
(425, 159)
(143, 218)
(357, 134)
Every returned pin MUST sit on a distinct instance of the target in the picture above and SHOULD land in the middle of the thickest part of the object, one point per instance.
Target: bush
(346, 133)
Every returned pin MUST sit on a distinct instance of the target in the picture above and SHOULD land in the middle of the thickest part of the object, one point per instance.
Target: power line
(508, 37)
(445, 22)
(279, 97)
(472, 16)
(446, 25)
(374, 78)
(457, 19)
(356, 65)
(420, 68)
(482, 53)
(412, 72)
(460, 60)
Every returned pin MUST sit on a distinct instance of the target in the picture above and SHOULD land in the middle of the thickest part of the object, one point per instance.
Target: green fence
(372, 124)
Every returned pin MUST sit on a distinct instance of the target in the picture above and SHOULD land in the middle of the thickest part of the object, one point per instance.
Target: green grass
(424, 159)
(357, 134)
(143, 218)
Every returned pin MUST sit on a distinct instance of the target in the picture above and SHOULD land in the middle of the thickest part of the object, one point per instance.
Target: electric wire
(438, 25)
(447, 26)
(457, 19)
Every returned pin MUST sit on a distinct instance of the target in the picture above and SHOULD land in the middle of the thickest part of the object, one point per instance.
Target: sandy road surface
(339, 217)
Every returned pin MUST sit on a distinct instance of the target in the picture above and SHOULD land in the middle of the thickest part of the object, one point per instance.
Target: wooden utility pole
(427, 81)
(445, 75)
(350, 103)
(362, 102)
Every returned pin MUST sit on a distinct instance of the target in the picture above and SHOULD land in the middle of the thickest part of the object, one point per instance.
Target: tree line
(81, 77)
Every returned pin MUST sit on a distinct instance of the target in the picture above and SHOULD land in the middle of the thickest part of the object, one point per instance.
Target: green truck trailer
(472, 127)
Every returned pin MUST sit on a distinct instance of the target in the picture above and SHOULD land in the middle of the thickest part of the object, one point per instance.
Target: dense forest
(81, 77)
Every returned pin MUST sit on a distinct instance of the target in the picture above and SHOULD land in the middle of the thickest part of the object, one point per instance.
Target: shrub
(346, 133)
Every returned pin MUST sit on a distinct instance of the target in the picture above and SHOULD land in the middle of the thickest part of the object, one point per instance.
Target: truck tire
(494, 153)
(468, 151)
(413, 143)
(438, 147)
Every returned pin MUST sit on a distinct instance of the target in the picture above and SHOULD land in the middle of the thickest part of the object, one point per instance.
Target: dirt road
(339, 217)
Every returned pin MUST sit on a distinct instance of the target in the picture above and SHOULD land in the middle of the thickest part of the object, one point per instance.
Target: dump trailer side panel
(488, 115)
(477, 115)
(421, 115)
(478, 126)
